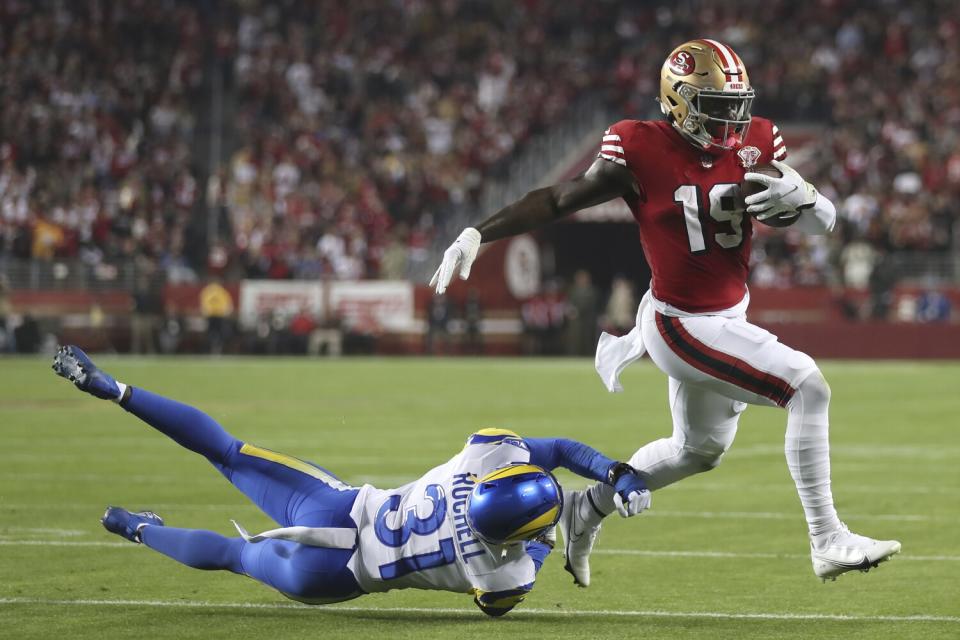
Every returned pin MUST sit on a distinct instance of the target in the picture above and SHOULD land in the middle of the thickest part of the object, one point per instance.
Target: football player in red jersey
(681, 178)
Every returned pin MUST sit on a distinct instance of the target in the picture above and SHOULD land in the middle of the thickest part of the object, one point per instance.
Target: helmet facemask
(705, 93)
(717, 120)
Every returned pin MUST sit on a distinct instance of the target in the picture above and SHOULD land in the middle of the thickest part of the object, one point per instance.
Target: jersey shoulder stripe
(778, 148)
(615, 140)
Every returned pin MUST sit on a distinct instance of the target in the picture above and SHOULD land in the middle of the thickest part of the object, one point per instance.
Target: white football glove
(789, 193)
(636, 502)
(631, 495)
(460, 254)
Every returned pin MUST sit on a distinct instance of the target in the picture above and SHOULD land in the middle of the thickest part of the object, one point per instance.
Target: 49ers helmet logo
(683, 63)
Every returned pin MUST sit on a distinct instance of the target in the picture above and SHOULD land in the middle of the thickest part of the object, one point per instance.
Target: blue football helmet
(514, 503)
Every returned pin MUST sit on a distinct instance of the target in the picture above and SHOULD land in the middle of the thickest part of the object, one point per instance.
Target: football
(748, 188)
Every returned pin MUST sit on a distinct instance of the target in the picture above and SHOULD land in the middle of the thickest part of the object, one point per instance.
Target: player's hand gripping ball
(750, 187)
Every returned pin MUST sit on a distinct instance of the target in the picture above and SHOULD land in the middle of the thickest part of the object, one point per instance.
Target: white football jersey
(417, 535)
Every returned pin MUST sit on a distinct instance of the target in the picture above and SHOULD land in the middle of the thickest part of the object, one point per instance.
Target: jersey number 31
(414, 524)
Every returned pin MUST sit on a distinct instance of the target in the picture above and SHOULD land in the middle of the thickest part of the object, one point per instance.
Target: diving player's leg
(188, 427)
(289, 490)
(193, 547)
(196, 548)
(314, 575)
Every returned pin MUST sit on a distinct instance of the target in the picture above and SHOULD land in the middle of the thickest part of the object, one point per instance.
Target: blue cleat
(128, 525)
(74, 365)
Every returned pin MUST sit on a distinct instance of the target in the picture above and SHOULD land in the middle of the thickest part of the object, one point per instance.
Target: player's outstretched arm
(631, 497)
(602, 182)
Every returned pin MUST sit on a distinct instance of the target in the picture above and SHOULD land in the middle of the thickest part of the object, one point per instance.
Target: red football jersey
(694, 228)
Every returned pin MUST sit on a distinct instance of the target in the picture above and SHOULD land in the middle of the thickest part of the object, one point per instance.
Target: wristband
(616, 470)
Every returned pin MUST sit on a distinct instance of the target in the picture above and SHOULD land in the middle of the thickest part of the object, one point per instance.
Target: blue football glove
(632, 495)
(74, 365)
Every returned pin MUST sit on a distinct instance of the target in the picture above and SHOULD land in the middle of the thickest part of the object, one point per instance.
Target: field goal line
(574, 613)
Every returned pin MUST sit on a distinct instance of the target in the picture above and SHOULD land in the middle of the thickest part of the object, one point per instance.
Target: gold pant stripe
(288, 461)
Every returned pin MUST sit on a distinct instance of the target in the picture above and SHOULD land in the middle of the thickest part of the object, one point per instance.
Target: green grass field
(722, 554)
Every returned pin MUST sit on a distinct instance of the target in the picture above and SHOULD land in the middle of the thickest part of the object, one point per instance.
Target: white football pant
(717, 365)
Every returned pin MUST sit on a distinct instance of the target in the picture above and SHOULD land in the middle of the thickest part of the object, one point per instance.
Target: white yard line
(777, 515)
(652, 553)
(398, 480)
(647, 553)
(737, 515)
(786, 487)
(571, 613)
(70, 533)
(843, 451)
(98, 508)
(6, 542)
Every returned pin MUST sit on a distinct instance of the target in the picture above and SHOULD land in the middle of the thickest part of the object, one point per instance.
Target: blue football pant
(290, 491)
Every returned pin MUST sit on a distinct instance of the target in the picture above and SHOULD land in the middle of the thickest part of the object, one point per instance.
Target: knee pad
(813, 391)
(703, 449)
(702, 460)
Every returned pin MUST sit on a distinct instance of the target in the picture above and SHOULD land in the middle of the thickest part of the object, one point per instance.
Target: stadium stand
(180, 140)
(98, 115)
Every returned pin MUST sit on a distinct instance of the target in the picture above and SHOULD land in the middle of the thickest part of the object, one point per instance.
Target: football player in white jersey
(482, 523)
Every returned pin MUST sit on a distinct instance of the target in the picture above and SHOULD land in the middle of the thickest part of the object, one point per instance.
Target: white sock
(123, 390)
(597, 504)
(662, 463)
(807, 449)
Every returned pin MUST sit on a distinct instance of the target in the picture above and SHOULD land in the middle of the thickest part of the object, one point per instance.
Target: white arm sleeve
(819, 219)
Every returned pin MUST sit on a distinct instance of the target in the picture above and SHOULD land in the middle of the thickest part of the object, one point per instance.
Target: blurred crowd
(97, 115)
(884, 77)
(359, 133)
(352, 130)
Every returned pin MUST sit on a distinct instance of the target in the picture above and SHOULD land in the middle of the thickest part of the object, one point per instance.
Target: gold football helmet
(706, 95)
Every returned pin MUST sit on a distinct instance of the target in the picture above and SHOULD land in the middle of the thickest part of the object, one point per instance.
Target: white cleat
(844, 551)
(578, 537)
